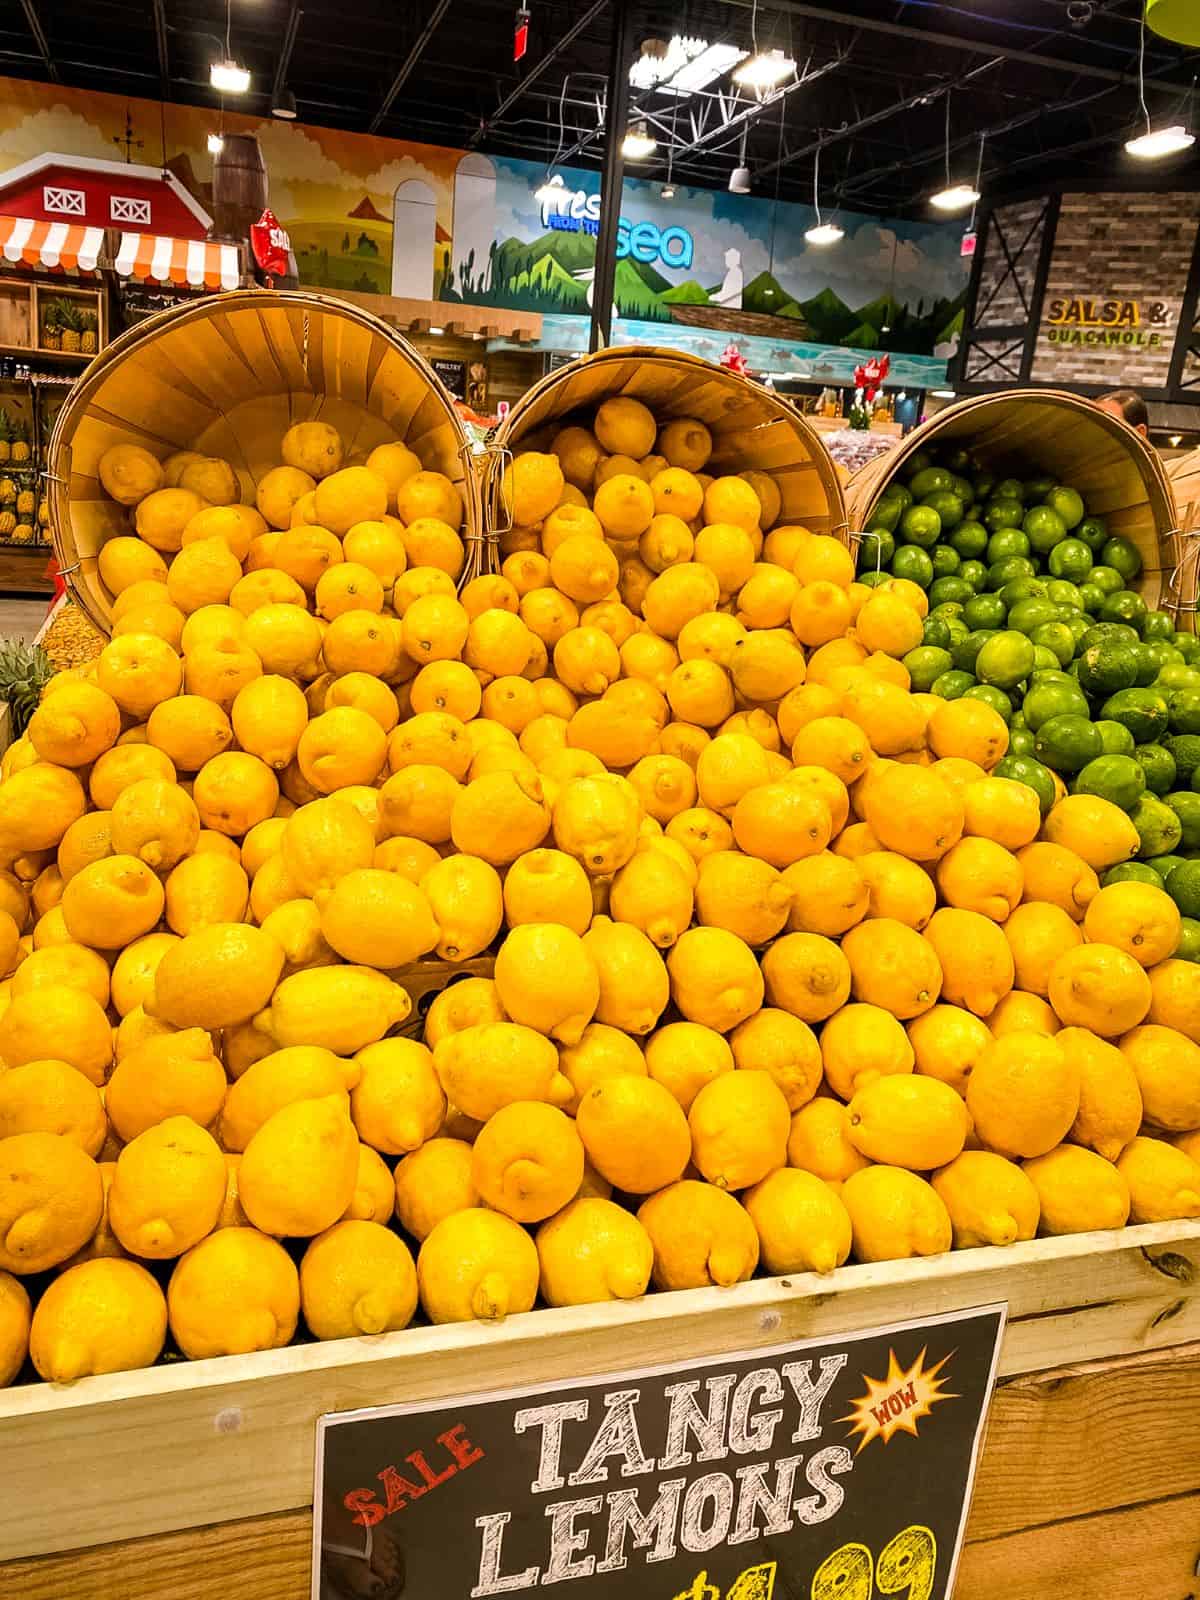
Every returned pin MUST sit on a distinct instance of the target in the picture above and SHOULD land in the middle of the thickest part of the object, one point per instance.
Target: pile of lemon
(782, 974)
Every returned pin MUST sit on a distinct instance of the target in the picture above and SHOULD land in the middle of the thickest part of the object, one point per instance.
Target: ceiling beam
(164, 55)
(39, 35)
(439, 10)
(290, 29)
(950, 41)
(536, 71)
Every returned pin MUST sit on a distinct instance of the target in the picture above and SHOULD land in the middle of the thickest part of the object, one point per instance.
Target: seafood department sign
(837, 1469)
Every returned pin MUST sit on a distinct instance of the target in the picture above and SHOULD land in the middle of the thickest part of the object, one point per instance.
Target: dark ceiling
(1052, 83)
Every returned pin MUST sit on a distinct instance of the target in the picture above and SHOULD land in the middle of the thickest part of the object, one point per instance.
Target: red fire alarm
(967, 248)
(521, 33)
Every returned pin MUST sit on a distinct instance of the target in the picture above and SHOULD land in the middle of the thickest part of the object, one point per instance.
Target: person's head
(1129, 406)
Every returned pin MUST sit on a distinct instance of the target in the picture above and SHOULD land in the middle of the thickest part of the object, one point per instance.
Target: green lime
(1067, 503)
(1005, 659)
(918, 461)
(1010, 570)
(1122, 556)
(886, 515)
(1045, 528)
(1115, 778)
(1183, 709)
(1116, 738)
(1142, 711)
(1109, 633)
(1008, 542)
(1020, 742)
(1107, 579)
(1162, 654)
(927, 663)
(875, 550)
(1064, 593)
(1123, 606)
(1094, 533)
(929, 480)
(912, 562)
(946, 560)
(957, 459)
(1070, 559)
(1028, 614)
(991, 696)
(936, 632)
(1159, 766)
(948, 506)
(1185, 747)
(1177, 677)
(964, 489)
(1023, 769)
(1078, 622)
(951, 589)
(1183, 885)
(872, 580)
(999, 514)
(966, 650)
(1044, 658)
(951, 685)
(1055, 637)
(1091, 597)
(1009, 489)
(950, 612)
(1045, 701)
(899, 493)
(1018, 590)
(1158, 827)
(1106, 667)
(970, 539)
(1158, 625)
(984, 484)
(1037, 488)
(1067, 743)
(920, 525)
(1164, 865)
(1188, 646)
(1188, 948)
(1131, 872)
(1185, 803)
(974, 573)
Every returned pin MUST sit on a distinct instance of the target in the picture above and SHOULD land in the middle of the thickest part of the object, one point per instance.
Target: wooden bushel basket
(228, 376)
(1184, 475)
(1119, 475)
(752, 429)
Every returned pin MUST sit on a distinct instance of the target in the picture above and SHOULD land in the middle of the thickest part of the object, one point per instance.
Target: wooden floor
(1088, 1489)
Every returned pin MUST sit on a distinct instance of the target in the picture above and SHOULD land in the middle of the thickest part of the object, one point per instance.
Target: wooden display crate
(196, 1479)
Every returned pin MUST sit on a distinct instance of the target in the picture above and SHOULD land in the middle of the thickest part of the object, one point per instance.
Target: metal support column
(613, 174)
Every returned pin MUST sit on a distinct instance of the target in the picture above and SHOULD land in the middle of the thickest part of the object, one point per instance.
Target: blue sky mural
(894, 285)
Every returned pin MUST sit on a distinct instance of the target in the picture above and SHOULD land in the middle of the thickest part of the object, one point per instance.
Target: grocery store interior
(599, 799)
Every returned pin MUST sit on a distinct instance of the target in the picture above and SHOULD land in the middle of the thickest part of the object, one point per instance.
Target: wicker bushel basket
(228, 376)
(1117, 472)
(751, 427)
(1184, 475)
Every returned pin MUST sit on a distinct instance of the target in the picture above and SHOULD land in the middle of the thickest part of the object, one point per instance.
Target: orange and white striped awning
(194, 263)
(50, 244)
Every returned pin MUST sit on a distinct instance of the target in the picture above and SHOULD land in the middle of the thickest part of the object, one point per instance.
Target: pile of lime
(1030, 610)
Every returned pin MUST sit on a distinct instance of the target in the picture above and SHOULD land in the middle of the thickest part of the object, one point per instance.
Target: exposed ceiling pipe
(39, 35)
(536, 71)
(414, 55)
(290, 29)
(161, 45)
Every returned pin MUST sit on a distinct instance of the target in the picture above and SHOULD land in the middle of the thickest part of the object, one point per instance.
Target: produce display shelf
(197, 1478)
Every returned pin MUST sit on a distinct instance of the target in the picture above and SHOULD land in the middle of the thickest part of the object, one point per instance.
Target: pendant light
(1155, 143)
(821, 233)
(957, 195)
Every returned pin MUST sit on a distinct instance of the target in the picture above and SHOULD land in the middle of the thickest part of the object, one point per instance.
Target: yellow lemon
(653, 893)
(532, 486)
(278, 491)
(624, 505)
(1164, 1181)
(303, 1072)
(67, 965)
(219, 975)
(667, 540)
(212, 479)
(739, 1125)
(781, 823)
(819, 1142)
(586, 660)
(807, 975)
(899, 889)
(1002, 810)
(1175, 996)
(819, 612)
(162, 516)
(766, 665)
(715, 979)
(1099, 987)
(767, 597)
(1077, 1191)
(888, 623)
(991, 1201)
(527, 1161)
(782, 1046)
(112, 902)
(52, 1097)
(433, 1183)
(375, 918)
(499, 817)
(1058, 875)
(685, 1056)
(702, 1237)
(341, 747)
(419, 802)
(217, 672)
(860, 1042)
(487, 1065)
(299, 1169)
(175, 1076)
(168, 1189)
(1110, 1097)
(579, 453)
(446, 686)
(624, 426)
(729, 767)
(235, 1292)
(912, 811)
(547, 980)
(477, 1265)
(634, 1132)
(361, 641)
(379, 547)
(338, 1008)
(732, 500)
(829, 894)
(1023, 1094)
(633, 981)
(356, 1278)
(835, 743)
(189, 730)
(679, 595)
(686, 443)
(974, 956)
(75, 726)
(1094, 829)
(595, 819)
(1137, 918)
(802, 1225)
(893, 967)
(15, 1318)
(139, 671)
(1167, 1068)
(593, 1251)
(905, 1120)
(946, 1043)
(982, 876)
(700, 691)
(154, 822)
(603, 1052)
(312, 447)
(304, 553)
(203, 574)
(397, 1102)
(434, 629)
(98, 1316)
(895, 1215)
(124, 562)
(323, 841)
(1019, 1012)
(1038, 933)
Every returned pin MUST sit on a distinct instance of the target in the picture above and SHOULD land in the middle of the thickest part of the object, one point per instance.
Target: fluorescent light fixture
(667, 192)
(228, 78)
(283, 106)
(638, 143)
(942, 394)
(1156, 143)
(714, 61)
(955, 197)
(215, 144)
(739, 180)
(766, 70)
(825, 233)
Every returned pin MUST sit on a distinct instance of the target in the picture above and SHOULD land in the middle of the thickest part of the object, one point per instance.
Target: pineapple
(8, 492)
(43, 513)
(72, 327)
(23, 533)
(8, 524)
(52, 326)
(90, 338)
(26, 502)
(25, 671)
(19, 447)
(5, 432)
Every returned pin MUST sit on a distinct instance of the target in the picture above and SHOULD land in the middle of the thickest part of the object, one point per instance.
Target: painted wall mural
(376, 215)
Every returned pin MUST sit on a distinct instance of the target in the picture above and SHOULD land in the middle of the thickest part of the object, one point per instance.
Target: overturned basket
(228, 376)
(752, 428)
(1117, 472)
(1184, 475)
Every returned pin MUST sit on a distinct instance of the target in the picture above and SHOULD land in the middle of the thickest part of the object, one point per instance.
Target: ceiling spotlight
(283, 105)
(825, 233)
(1156, 143)
(955, 197)
(739, 180)
(215, 144)
(1176, 440)
(667, 192)
(766, 70)
(228, 78)
(638, 143)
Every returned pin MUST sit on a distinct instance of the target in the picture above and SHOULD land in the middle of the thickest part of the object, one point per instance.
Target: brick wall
(999, 302)
(1121, 247)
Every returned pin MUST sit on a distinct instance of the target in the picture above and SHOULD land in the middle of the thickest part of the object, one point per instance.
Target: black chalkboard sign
(836, 1469)
(453, 374)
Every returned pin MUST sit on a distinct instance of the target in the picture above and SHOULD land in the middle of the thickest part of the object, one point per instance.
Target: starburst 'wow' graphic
(898, 1403)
